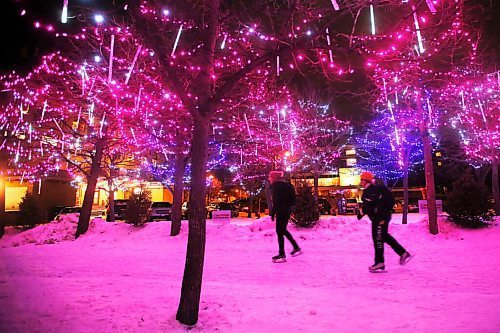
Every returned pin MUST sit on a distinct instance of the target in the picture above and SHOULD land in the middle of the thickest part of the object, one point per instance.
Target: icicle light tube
(417, 28)
(64, 14)
(335, 5)
(176, 41)
(372, 19)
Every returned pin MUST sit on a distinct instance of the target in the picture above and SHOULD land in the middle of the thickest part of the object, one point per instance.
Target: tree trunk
(385, 173)
(189, 304)
(180, 167)
(316, 185)
(111, 200)
(429, 180)
(2, 204)
(88, 199)
(482, 173)
(495, 185)
(258, 209)
(406, 162)
(250, 203)
(3, 173)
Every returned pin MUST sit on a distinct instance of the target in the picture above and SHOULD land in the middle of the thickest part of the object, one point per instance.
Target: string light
(99, 18)
(142, 100)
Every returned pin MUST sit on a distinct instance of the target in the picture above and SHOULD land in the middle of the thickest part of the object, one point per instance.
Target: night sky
(23, 44)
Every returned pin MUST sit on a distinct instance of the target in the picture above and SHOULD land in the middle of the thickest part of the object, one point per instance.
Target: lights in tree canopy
(137, 96)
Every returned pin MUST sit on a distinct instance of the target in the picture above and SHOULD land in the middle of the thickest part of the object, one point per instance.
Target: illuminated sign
(328, 181)
(349, 176)
(422, 206)
(221, 216)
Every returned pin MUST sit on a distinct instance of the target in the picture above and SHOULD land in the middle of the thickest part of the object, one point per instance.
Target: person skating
(377, 204)
(283, 196)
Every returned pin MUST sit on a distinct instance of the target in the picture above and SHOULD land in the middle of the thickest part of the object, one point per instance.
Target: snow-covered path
(118, 278)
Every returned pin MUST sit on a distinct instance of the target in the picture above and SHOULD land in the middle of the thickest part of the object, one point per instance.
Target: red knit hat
(367, 175)
(276, 174)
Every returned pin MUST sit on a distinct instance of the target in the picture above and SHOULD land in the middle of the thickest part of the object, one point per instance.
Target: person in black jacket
(377, 204)
(283, 195)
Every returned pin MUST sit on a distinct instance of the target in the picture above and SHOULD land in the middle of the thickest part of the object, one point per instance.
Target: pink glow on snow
(121, 278)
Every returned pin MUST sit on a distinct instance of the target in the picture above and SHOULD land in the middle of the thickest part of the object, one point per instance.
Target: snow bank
(11, 231)
(263, 224)
(101, 231)
(50, 233)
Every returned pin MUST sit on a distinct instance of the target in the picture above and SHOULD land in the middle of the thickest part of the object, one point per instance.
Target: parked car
(66, 211)
(352, 206)
(120, 210)
(398, 207)
(412, 208)
(243, 205)
(160, 210)
(324, 206)
(222, 206)
(95, 213)
(184, 210)
(98, 213)
(54, 211)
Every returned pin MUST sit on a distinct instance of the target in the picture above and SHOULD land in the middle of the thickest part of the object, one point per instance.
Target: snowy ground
(118, 278)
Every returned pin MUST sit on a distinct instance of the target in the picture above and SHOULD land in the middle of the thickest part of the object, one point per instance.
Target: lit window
(351, 162)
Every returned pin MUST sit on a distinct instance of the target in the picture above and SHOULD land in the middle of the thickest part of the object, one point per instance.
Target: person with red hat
(377, 204)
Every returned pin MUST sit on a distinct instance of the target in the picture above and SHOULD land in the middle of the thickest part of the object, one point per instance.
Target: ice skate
(405, 257)
(377, 268)
(279, 258)
(296, 252)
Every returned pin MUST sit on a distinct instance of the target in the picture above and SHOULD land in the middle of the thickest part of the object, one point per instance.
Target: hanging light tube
(372, 19)
(64, 14)
(176, 41)
(417, 28)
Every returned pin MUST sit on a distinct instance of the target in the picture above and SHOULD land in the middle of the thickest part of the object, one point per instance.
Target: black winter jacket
(283, 197)
(378, 202)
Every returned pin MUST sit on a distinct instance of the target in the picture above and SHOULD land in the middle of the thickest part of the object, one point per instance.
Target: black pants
(281, 223)
(380, 236)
